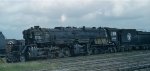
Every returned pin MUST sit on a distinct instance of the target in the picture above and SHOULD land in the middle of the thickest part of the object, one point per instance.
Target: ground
(122, 61)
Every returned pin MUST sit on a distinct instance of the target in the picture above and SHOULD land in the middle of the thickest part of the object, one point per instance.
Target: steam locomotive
(72, 41)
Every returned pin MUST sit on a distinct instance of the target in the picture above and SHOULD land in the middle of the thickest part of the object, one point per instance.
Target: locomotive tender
(71, 41)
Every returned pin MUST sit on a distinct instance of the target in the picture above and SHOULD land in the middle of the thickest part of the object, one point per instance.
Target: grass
(19, 66)
(27, 66)
(2, 60)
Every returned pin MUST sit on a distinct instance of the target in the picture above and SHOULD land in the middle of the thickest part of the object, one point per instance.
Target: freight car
(2, 45)
(71, 41)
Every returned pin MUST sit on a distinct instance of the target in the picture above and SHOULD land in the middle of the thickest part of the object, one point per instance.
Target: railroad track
(117, 62)
(93, 57)
(105, 64)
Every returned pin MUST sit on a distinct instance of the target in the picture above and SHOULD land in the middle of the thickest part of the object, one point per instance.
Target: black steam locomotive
(71, 41)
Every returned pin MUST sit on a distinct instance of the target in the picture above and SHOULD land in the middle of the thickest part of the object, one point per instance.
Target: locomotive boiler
(63, 41)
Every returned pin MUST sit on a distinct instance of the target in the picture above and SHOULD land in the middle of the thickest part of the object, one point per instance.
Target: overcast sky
(17, 15)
